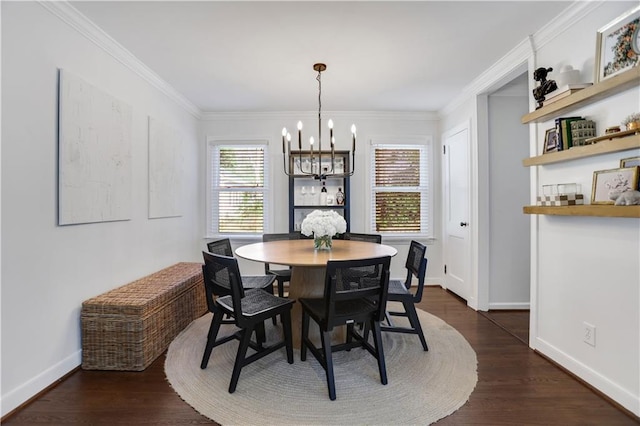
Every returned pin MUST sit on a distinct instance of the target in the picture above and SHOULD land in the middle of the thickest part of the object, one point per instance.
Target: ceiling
(259, 56)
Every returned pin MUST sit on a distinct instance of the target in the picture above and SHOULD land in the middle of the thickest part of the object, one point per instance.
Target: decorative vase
(322, 242)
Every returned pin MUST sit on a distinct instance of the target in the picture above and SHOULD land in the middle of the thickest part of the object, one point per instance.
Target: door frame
(479, 267)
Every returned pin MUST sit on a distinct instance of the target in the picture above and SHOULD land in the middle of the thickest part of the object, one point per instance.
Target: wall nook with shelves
(616, 84)
(305, 191)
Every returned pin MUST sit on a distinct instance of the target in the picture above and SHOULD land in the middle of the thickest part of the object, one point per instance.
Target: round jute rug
(423, 386)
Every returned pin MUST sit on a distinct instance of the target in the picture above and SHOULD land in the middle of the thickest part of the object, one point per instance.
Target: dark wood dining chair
(282, 275)
(348, 299)
(249, 309)
(369, 238)
(223, 247)
(399, 291)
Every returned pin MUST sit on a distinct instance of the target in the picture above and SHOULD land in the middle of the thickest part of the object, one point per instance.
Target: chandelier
(315, 167)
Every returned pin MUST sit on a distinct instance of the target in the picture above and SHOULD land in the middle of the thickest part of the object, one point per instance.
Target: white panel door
(456, 205)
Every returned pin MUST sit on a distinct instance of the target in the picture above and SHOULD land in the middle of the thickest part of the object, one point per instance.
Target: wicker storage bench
(128, 327)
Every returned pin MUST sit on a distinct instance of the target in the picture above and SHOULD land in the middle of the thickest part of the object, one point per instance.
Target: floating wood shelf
(598, 91)
(602, 147)
(616, 84)
(604, 210)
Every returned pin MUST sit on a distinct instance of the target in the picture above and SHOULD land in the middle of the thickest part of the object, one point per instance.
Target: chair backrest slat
(370, 238)
(345, 282)
(416, 265)
(222, 247)
(222, 278)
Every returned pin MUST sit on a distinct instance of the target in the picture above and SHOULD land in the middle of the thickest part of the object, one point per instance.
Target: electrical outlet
(589, 336)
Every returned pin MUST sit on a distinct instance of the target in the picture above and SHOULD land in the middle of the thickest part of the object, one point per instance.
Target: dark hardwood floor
(515, 322)
(515, 386)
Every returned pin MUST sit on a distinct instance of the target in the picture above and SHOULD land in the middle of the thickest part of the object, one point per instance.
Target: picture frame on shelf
(606, 183)
(618, 45)
(551, 142)
(630, 162)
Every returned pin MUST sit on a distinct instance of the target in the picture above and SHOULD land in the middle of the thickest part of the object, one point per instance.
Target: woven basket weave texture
(128, 327)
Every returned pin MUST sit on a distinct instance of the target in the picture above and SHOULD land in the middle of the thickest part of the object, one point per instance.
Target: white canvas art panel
(166, 162)
(94, 158)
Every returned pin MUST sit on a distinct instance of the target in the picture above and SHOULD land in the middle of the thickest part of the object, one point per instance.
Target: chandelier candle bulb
(284, 135)
(353, 133)
(299, 134)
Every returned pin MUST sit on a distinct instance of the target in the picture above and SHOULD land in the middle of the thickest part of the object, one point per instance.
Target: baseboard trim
(513, 306)
(17, 398)
(618, 396)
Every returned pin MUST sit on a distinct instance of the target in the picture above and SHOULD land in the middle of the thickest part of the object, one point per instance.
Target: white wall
(48, 270)
(371, 126)
(509, 245)
(588, 269)
(584, 269)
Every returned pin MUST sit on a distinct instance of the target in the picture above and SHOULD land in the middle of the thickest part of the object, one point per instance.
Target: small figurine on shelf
(339, 197)
(628, 198)
(546, 86)
(632, 122)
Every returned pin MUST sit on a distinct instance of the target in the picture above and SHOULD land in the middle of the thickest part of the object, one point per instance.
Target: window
(400, 196)
(238, 190)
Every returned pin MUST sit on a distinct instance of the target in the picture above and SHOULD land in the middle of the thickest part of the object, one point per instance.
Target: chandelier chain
(319, 79)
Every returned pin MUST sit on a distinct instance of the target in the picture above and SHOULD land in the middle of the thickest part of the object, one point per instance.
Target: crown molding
(572, 14)
(309, 115)
(71, 16)
(522, 52)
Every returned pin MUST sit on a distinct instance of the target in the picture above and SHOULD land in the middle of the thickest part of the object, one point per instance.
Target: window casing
(401, 189)
(238, 202)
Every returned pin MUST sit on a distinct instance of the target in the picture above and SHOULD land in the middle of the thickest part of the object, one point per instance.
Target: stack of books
(565, 135)
(563, 92)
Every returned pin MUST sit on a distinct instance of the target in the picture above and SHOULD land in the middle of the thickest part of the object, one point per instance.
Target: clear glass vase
(322, 243)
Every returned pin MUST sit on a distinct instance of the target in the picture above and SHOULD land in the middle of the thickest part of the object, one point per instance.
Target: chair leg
(325, 336)
(261, 335)
(285, 317)
(388, 318)
(278, 285)
(216, 320)
(303, 336)
(377, 340)
(365, 333)
(410, 309)
(350, 328)
(280, 288)
(240, 356)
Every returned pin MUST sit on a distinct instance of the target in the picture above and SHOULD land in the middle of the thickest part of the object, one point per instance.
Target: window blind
(400, 190)
(239, 176)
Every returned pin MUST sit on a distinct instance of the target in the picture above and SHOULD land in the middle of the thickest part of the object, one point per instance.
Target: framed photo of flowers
(609, 184)
(618, 45)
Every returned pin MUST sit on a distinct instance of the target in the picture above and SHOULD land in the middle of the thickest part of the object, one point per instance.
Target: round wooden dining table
(308, 267)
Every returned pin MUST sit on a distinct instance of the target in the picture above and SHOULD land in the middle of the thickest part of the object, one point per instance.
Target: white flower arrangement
(321, 223)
